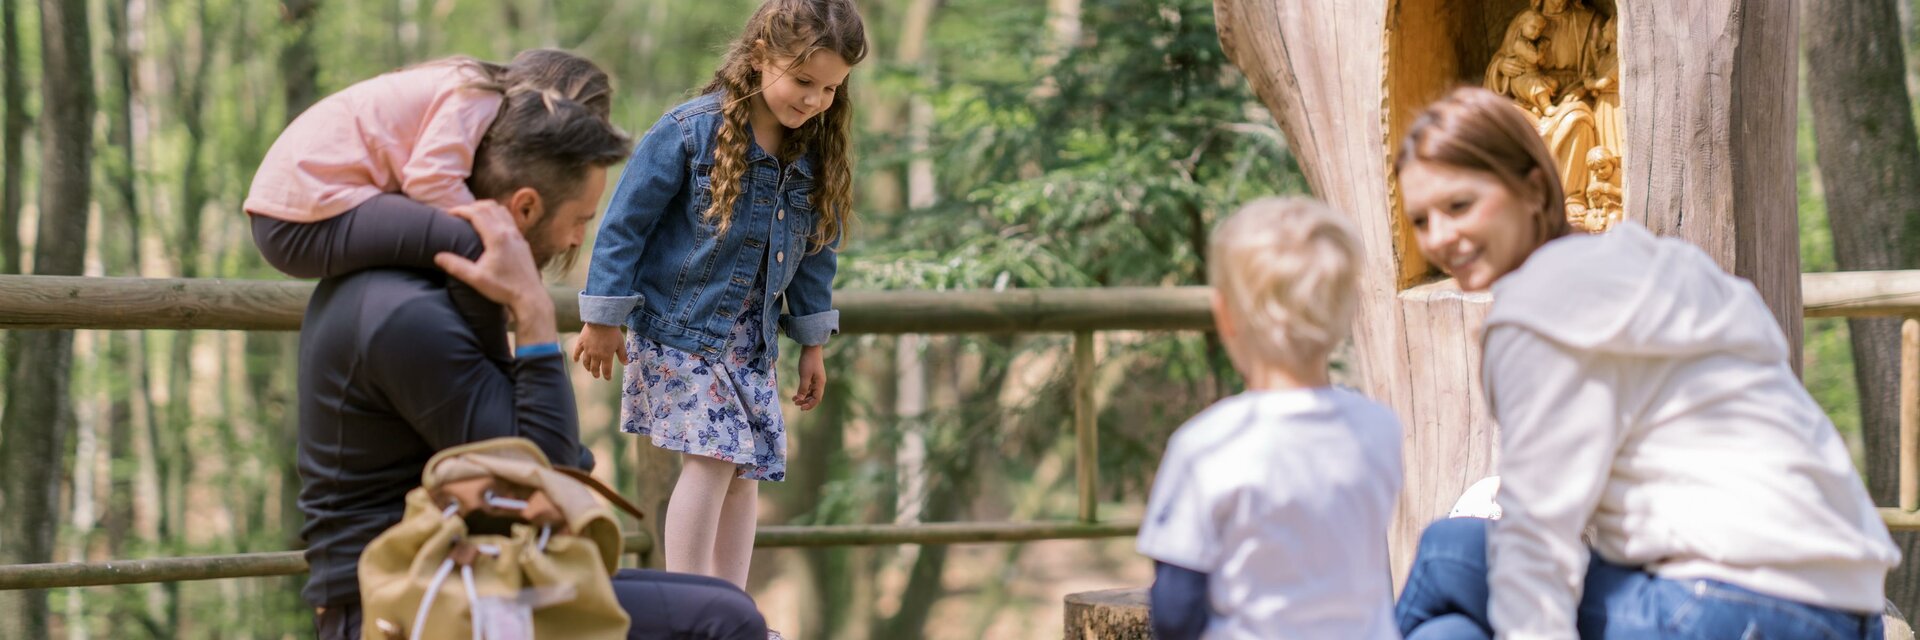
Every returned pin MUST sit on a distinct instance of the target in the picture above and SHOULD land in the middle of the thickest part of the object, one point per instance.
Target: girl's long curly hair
(796, 29)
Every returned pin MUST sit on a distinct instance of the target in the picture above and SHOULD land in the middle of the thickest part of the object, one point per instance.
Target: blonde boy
(1269, 514)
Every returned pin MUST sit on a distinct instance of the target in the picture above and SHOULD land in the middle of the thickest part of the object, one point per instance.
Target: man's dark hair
(546, 143)
(545, 140)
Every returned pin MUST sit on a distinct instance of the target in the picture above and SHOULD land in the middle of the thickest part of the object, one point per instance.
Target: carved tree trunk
(1868, 156)
(1345, 81)
(39, 413)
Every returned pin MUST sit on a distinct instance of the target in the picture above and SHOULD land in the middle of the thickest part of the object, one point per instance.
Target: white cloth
(1283, 498)
(1478, 500)
(1643, 391)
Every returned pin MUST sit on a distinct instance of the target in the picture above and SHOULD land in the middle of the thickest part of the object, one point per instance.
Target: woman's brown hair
(796, 29)
(1473, 128)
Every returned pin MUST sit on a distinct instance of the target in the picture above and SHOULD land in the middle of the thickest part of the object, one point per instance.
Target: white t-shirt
(1283, 498)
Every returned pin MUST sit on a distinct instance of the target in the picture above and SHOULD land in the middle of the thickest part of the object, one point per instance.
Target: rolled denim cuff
(812, 329)
(611, 311)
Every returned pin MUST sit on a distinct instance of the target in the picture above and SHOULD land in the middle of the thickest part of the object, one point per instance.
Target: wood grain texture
(1450, 438)
(1317, 65)
(1708, 87)
(1709, 90)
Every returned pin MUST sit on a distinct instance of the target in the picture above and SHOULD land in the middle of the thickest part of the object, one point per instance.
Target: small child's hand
(597, 347)
(813, 378)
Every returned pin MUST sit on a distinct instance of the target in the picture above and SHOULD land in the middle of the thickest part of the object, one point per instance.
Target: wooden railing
(53, 302)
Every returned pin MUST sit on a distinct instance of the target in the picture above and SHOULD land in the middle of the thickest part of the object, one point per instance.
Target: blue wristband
(536, 350)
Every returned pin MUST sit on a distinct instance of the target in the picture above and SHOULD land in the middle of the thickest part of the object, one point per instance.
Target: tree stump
(1113, 614)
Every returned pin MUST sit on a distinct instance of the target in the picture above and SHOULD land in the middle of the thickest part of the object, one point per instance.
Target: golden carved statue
(1521, 47)
(1601, 207)
(1558, 62)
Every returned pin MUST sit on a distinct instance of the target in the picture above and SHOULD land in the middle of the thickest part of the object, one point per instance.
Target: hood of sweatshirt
(1628, 292)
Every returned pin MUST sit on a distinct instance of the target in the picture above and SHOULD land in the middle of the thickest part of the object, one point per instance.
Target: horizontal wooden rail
(74, 302)
(93, 574)
(1860, 293)
(287, 563)
(938, 533)
(1899, 520)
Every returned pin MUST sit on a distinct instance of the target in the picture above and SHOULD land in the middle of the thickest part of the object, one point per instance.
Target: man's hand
(505, 272)
(599, 345)
(813, 378)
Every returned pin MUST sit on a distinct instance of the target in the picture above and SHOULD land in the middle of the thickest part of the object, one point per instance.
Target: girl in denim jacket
(732, 206)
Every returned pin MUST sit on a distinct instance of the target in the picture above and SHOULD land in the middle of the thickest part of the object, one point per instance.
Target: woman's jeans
(1446, 598)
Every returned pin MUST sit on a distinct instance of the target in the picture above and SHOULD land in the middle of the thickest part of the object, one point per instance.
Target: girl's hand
(813, 378)
(597, 347)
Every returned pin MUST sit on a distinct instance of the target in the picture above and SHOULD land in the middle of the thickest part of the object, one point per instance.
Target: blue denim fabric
(659, 268)
(1445, 598)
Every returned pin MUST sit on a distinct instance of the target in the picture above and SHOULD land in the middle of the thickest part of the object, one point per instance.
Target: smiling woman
(1650, 403)
(1478, 187)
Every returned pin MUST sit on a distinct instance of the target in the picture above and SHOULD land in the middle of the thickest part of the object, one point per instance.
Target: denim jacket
(658, 268)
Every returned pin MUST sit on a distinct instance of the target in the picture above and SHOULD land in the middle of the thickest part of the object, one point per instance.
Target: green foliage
(1106, 167)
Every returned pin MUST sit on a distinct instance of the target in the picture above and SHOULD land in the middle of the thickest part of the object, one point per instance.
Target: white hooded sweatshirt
(1643, 391)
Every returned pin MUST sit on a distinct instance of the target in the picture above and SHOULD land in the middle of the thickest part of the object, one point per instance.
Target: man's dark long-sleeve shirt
(389, 375)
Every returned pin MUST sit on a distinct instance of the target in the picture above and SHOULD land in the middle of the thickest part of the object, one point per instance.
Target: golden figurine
(1566, 50)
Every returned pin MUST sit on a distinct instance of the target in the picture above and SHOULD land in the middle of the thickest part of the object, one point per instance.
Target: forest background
(1001, 144)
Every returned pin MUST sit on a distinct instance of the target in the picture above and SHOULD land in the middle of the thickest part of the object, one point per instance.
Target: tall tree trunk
(408, 30)
(909, 409)
(886, 115)
(299, 64)
(12, 192)
(910, 358)
(821, 443)
(952, 480)
(85, 461)
(170, 437)
(839, 576)
(39, 414)
(190, 101)
(300, 70)
(1869, 163)
(120, 256)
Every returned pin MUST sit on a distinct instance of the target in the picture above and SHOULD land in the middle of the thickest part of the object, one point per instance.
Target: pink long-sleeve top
(413, 132)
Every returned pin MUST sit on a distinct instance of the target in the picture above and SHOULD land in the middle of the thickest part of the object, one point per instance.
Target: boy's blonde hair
(1287, 271)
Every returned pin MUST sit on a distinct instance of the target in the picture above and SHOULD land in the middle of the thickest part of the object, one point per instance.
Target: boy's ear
(1221, 322)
